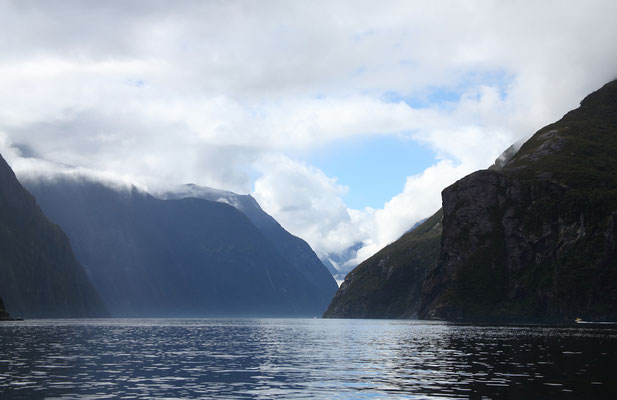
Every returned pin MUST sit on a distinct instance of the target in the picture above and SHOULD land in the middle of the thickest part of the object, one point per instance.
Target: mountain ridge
(175, 257)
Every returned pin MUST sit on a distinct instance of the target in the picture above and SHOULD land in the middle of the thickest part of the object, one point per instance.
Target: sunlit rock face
(178, 257)
(39, 275)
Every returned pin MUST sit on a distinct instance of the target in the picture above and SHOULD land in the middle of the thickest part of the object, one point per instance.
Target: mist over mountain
(39, 275)
(180, 256)
(342, 262)
(533, 238)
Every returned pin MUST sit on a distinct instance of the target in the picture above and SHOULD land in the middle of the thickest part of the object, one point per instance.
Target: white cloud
(230, 93)
(308, 203)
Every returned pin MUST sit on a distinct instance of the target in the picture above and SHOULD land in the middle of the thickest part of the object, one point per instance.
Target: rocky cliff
(536, 240)
(39, 275)
(533, 238)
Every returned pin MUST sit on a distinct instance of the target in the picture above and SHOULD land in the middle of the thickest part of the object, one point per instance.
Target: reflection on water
(299, 358)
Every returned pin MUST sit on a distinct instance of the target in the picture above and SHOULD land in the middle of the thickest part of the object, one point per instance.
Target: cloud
(237, 94)
(308, 203)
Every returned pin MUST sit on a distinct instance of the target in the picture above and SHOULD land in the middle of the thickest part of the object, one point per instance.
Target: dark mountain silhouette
(177, 257)
(39, 275)
(294, 250)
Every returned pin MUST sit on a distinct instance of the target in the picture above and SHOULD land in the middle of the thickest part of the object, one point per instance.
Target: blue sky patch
(373, 168)
(447, 96)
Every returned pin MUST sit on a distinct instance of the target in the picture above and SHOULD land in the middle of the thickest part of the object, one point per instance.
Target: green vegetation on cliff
(388, 284)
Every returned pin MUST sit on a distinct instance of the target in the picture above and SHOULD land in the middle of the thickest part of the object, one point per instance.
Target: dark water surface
(302, 358)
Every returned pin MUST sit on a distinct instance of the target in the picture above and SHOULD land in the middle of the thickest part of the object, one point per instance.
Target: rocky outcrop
(39, 275)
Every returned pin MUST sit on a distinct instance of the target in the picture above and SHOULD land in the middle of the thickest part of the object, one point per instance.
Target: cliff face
(39, 275)
(186, 257)
(388, 285)
(531, 239)
(535, 241)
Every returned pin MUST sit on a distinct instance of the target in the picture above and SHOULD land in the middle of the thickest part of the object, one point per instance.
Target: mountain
(184, 257)
(389, 284)
(293, 249)
(40, 276)
(340, 263)
(536, 240)
(531, 239)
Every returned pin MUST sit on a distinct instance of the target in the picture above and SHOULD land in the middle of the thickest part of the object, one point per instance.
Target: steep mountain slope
(389, 284)
(533, 238)
(295, 250)
(175, 257)
(39, 275)
(537, 240)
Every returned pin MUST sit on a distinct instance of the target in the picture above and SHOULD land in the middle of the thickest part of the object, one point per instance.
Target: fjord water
(302, 358)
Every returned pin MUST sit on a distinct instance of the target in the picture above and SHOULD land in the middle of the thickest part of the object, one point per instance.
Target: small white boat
(595, 323)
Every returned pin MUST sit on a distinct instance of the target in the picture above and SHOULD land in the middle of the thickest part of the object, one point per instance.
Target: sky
(344, 119)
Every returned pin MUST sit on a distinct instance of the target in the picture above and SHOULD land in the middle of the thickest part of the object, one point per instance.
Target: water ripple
(297, 358)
